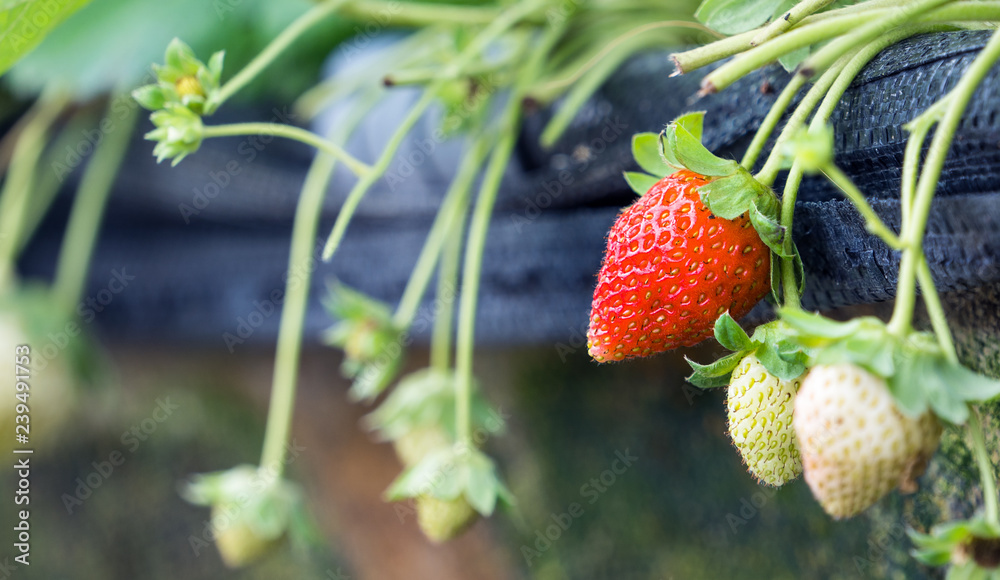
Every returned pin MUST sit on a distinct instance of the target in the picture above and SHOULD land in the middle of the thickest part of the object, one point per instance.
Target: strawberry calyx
(970, 546)
(771, 344)
(731, 190)
(917, 371)
(461, 471)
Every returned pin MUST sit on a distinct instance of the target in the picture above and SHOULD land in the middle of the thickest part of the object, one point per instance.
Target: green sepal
(946, 541)
(646, 151)
(450, 473)
(918, 374)
(715, 374)
(730, 334)
(770, 343)
(682, 139)
(771, 232)
(640, 182)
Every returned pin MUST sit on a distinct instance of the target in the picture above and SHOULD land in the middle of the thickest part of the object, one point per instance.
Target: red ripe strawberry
(670, 269)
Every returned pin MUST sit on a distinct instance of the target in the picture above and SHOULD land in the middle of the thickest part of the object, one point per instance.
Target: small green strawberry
(856, 445)
(760, 422)
(420, 442)
(442, 520)
(238, 544)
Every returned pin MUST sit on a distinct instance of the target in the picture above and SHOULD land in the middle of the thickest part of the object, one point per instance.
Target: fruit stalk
(509, 123)
(88, 210)
(20, 177)
(276, 47)
(293, 312)
(452, 212)
(789, 19)
(985, 468)
(290, 132)
(501, 24)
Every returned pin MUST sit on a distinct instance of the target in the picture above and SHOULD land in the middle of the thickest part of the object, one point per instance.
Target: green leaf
(731, 335)
(640, 182)
(968, 385)
(735, 16)
(25, 23)
(646, 151)
(727, 197)
(790, 60)
(703, 382)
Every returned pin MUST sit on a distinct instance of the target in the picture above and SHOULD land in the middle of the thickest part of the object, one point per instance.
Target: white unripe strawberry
(856, 445)
(441, 519)
(760, 422)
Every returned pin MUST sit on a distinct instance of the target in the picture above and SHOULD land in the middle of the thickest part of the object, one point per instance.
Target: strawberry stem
(789, 19)
(88, 209)
(501, 24)
(293, 311)
(276, 47)
(509, 123)
(985, 468)
(873, 223)
(448, 220)
(14, 196)
(290, 132)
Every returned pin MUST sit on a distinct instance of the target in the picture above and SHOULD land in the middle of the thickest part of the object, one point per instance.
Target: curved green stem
(792, 40)
(17, 187)
(958, 100)
(88, 211)
(407, 14)
(873, 223)
(453, 209)
(770, 122)
(289, 132)
(293, 312)
(509, 123)
(789, 19)
(276, 47)
(769, 172)
(789, 275)
(985, 468)
(447, 286)
(506, 20)
(869, 30)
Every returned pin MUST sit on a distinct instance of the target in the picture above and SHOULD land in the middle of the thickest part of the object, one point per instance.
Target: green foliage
(25, 23)
(771, 343)
(450, 473)
(735, 16)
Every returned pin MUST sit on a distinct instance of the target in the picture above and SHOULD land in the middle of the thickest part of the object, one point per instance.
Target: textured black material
(197, 275)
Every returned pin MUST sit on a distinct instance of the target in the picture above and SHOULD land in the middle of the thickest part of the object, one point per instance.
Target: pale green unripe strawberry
(442, 520)
(239, 545)
(420, 442)
(760, 422)
(856, 445)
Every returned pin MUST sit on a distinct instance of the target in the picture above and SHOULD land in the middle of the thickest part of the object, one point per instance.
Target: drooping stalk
(293, 311)
(447, 286)
(501, 24)
(958, 100)
(289, 132)
(789, 19)
(88, 210)
(452, 212)
(479, 226)
(17, 187)
(284, 39)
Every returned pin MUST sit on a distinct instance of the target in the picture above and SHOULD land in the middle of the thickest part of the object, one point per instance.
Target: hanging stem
(447, 286)
(289, 132)
(873, 223)
(293, 312)
(20, 176)
(276, 47)
(509, 122)
(453, 209)
(958, 100)
(506, 20)
(985, 468)
(88, 211)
